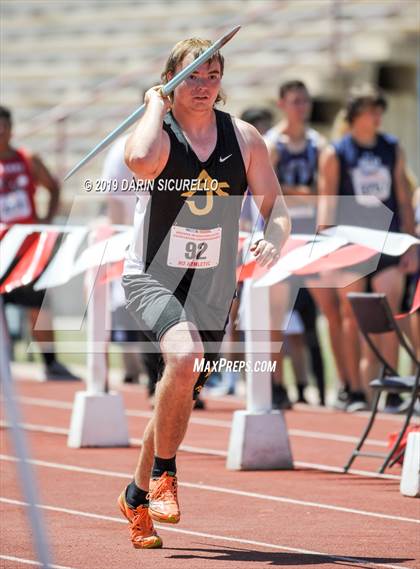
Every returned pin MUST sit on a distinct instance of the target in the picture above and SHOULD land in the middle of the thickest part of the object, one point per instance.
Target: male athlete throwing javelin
(179, 275)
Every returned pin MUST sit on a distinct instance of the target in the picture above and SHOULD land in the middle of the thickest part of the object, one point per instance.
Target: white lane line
(330, 437)
(222, 490)
(211, 422)
(132, 441)
(209, 535)
(189, 448)
(30, 562)
(296, 463)
(42, 402)
(38, 428)
(55, 403)
(340, 470)
(216, 452)
(304, 408)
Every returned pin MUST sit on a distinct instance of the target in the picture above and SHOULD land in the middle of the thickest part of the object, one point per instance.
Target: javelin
(166, 89)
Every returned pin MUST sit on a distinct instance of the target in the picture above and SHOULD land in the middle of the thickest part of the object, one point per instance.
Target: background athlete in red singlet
(20, 175)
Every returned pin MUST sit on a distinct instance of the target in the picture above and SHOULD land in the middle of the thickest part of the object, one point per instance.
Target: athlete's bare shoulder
(248, 138)
(247, 132)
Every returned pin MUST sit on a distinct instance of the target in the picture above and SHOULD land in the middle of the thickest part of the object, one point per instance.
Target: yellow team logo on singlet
(211, 186)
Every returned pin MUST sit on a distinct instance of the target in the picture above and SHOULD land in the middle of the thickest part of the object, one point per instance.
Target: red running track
(313, 515)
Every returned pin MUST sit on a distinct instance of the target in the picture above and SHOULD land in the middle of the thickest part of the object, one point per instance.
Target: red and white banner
(33, 253)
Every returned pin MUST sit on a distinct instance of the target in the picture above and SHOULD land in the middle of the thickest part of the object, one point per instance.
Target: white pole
(258, 437)
(257, 346)
(97, 328)
(98, 417)
(23, 465)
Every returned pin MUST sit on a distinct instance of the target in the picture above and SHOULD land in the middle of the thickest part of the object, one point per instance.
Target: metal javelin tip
(229, 35)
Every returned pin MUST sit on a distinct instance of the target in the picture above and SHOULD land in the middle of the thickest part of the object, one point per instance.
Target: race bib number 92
(194, 248)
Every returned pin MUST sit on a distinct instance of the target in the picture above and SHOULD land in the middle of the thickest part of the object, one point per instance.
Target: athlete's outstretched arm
(147, 148)
(263, 183)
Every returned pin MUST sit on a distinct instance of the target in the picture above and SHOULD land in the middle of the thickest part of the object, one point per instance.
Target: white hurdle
(98, 417)
(410, 478)
(258, 439)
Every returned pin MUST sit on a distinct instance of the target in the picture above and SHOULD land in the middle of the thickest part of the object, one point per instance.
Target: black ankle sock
(48, 357)
(358, 394)
(301, 391)
(135, 496)
(162, 465)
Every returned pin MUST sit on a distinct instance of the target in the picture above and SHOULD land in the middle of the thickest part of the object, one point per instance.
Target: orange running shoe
(142, 532)
(163, 500)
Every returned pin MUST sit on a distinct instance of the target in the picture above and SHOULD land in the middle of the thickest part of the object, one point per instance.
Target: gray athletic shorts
(156, 309)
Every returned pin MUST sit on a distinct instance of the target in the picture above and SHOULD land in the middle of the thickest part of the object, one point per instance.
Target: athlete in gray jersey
(179, 271)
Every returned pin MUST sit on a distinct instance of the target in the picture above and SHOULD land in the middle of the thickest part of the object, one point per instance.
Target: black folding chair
(374, 316)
